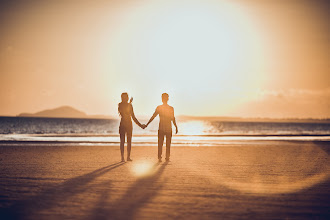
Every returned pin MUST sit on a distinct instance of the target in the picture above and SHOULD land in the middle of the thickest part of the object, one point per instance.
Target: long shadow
(142, 191)
(51, 196)
(324, 145)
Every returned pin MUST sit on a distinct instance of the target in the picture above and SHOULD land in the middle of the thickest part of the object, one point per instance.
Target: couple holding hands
(166, 116)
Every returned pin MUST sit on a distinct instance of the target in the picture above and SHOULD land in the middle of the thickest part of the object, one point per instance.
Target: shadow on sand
(141, 192)
(52, 196)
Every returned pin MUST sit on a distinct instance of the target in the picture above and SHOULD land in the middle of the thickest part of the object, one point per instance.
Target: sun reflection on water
(194, 128)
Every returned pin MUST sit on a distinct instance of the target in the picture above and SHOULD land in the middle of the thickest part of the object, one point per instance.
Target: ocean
(191, 132)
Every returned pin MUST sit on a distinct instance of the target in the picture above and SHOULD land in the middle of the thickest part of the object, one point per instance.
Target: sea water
(192, 132)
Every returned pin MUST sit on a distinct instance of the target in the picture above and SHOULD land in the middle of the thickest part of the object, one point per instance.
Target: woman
(126, 113)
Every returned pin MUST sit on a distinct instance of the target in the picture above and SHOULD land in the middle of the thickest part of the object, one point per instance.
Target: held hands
(143, 126)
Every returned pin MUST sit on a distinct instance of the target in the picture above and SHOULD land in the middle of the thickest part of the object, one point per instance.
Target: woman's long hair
(124, 99)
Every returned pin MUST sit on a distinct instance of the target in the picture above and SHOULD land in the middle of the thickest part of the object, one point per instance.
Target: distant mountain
(61, 112)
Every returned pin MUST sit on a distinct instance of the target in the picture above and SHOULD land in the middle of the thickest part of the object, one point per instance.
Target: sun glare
(275, 176)
(193, 128)
(142, 168)
(177, 46)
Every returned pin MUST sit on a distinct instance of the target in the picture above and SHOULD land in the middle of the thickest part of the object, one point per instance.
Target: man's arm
(176, 127)
(152, 117)
(174, 122)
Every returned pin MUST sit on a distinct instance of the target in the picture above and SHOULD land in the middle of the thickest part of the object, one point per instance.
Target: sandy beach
(259, 180)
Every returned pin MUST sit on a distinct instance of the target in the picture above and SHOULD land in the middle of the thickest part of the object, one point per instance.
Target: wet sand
(261, 180)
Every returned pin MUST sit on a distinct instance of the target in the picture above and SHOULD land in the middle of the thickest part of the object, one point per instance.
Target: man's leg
(168, 145)
(160, 144)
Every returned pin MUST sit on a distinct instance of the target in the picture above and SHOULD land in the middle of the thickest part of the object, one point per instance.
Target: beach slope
(258, 180)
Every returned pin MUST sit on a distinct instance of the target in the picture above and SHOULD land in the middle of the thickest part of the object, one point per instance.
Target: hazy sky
(214, 57)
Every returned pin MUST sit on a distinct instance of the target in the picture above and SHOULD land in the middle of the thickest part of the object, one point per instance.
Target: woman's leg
(129, 145)
(122, 143)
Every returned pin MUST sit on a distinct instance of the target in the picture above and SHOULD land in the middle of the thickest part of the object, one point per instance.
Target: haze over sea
(194, 132)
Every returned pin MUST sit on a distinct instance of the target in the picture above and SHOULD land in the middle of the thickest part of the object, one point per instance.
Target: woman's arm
(134, 118)
(152, 117)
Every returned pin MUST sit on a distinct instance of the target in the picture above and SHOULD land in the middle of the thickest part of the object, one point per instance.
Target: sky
(213, 57)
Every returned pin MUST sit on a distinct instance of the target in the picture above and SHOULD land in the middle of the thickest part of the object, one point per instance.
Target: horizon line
(100, 116)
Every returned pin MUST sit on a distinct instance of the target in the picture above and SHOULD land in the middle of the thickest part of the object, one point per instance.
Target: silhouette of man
(166, 117)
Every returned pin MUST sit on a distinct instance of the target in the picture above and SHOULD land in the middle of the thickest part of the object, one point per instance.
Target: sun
(193, 48)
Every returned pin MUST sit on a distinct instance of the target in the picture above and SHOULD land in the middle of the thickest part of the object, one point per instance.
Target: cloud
(291, 103)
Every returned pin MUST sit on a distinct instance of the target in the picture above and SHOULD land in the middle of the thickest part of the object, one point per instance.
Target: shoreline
(224, 143)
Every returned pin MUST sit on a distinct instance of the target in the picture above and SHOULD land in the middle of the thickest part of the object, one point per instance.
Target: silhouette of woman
(126, 113)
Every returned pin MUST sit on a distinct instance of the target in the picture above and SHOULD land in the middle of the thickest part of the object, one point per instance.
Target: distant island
(61, 112)
(70, 112)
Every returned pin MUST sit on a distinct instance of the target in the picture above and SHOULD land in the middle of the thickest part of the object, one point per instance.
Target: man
(166, 117)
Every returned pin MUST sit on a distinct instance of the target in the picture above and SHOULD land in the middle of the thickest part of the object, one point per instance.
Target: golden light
(142, 168)
(193, 128)
(277, 176)
(263, 173)
(176, 46)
